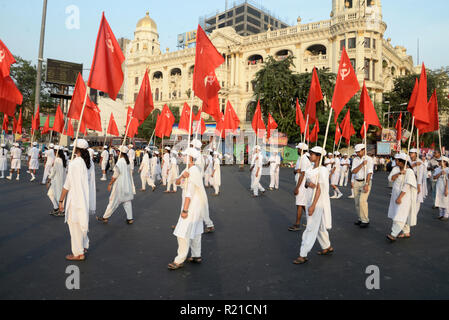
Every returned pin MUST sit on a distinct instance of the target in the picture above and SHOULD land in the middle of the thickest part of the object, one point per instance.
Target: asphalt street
(249, 257)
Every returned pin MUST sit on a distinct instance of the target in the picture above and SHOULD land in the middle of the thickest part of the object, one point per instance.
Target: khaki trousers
(361, 201)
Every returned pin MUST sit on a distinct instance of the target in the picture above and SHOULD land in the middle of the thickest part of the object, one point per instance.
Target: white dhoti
(183, 248)
(113, 205)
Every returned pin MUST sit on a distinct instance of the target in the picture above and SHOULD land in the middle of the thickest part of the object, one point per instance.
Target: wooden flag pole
(366, 145)
(408, 150)
(149, 143)
(79, 125)
(305, 129)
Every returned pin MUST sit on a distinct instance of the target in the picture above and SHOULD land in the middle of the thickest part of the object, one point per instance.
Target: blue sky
(20, 20)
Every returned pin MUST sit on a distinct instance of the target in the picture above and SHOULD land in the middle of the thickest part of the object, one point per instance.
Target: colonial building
(355, 24)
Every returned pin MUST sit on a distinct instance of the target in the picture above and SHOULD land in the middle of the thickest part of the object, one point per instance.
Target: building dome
(147, 22)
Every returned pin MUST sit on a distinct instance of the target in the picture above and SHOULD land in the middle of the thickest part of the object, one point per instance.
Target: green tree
(147, 128)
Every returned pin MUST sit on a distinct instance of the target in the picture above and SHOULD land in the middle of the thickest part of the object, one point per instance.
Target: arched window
(255, 59)
(191, 70)
(158, 75)
(283, 54)
(157, 94)
(175, 72)
(316, 50)
(250, 109)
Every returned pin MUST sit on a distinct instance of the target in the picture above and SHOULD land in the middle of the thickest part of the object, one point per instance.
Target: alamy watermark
(72, 282)
(72, 22)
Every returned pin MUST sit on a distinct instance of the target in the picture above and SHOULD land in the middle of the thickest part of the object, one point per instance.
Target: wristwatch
(185, 211)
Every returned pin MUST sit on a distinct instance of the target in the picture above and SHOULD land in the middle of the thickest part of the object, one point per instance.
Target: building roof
(147, 22)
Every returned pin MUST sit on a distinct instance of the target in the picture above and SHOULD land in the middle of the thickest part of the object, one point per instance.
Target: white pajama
(316, 229)
(183, 248)
(112, 206)
(399, 227)
(78, 239)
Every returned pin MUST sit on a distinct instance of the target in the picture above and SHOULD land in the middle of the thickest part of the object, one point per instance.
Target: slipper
(174, 266)
(300, 260)
(391, 238)
(326, 252)
(130, 221)
(294, 228)
(71, 257)
(101, 219)
(195, 260)
(403, 236)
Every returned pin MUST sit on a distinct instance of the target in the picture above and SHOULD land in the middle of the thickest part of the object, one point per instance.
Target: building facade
(355, 24)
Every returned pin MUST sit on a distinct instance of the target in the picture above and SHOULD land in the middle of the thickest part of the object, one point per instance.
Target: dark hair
(125, 156)
(85, 155)
(3, 151)
(62, 156)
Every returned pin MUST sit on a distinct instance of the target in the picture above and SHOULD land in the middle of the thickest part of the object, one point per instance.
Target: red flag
(167, 121)
(300, 118)
(144, 102)
(367, 108)
(338, 134)
(112, 128)
(5, 123)
(257, 122)
(412, 102)
(314, 135)
(184, 121)
(6, 60)
(14, 125)
(19, 127)
(46, 129)
(200, 127)
(207, 59)
(399, 128)
(271, 125)
(36, 123)
(315, 96)
(220, 128)
(69, 131)
(420, 111)
(106, 72)
(131, 123)
(347, 128)
(158, 130)
(58, 125)
(92, 117)
(231, 120)
(76, 105)
(10, 96)
(211, 105)
(346, 86)
(434, 123)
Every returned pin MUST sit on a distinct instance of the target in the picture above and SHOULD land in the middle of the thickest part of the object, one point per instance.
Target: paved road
(249, 257)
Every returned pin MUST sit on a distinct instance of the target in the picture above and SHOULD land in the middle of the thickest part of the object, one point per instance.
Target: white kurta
(122, 190)
(420, 173)
(335, 179)
(440, 200)
(152, 172)
(258, 163)
(275, 162)
(33, 153)
(104, 160)
(193, 226)
(208, 172)
(144, 170)
(3, 159)
(92, 189)
(57, 176)
(165, 167)
(132, 157)
(303, 164)
(217, 175)
(16, 155)
(406, 212)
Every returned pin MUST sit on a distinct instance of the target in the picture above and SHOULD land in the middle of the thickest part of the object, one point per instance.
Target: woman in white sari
(216, 173)
(403, 203)
(144, 170)
(121, 188)
(442, 197)
(56, 182)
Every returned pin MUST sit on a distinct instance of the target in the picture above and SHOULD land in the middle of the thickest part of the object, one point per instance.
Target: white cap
(34, 143)
(51, 146)
(346, 155)
(106, 147)
(414, 150)
(318, 150)
(191, 152)
(359, 147)
(131, 146)
(80, 144)
(216, 153)
(337, 153)
(302, 146)
(257, 147)
(401, 156)
(445, 159)
(330, 154)
(167, 148)
(196, 143)
(124, 149)
(66, 149)
(3, 145)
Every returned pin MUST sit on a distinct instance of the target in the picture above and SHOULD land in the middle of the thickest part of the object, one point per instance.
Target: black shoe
(364, 225)
(358, 223)
(54, 212)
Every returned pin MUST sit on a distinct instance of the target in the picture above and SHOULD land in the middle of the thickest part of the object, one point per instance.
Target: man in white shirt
(49, 160)
(335, 176)
(302, 165)
(256, 172)
(275, 164)
(16, 155)
(363, 170)
(132, 157)
(104, 159)
(165, 166)
(33, 161)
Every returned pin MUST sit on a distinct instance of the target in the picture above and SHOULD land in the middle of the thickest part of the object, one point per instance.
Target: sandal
(404, 236)
(174, 266)
(130, 221)
(326, 252)
(294, 228)
(195, 260)
(391, 238)
(300, 260)
(71, 257)
(210, 230)
(101, 219)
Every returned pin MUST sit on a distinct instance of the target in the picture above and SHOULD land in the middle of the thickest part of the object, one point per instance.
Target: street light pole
(40, 58)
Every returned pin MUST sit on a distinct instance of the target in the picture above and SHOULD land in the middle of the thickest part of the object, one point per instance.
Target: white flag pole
(79, 124)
